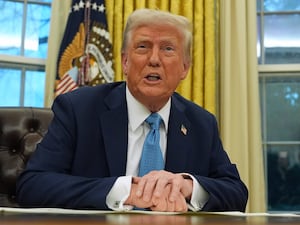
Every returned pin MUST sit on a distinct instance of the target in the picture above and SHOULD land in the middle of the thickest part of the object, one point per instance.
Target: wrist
(188, 187)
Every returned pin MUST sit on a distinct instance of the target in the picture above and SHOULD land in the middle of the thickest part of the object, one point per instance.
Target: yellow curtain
(200, 84)
(239, 96)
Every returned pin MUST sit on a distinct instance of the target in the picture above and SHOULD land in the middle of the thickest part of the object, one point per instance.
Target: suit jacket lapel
(114, 124)
(179, 142)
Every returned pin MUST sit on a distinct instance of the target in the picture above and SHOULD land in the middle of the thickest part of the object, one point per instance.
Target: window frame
(22, 62)
(271, 70)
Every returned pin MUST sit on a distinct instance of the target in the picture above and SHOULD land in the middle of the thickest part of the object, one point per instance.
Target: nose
(154, 59)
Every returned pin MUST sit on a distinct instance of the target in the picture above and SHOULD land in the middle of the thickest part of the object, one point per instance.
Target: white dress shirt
(137, 131)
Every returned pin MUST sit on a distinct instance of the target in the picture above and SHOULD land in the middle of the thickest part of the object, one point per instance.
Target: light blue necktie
(152, 158)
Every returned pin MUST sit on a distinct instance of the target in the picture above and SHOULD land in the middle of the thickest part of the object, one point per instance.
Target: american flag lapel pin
(183, 129)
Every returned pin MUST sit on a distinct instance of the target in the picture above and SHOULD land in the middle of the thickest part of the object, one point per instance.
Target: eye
(141, 46)
(168, 48)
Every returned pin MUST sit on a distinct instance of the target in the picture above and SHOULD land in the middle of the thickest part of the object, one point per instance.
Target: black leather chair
(21, 128)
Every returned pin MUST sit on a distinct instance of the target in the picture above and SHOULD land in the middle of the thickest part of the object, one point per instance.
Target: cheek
(136, 65)
(174, 80)
(175, 69)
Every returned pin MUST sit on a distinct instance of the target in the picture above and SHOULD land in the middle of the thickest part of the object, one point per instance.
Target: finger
(176, 186)
(162, 203)
(170, 206)
(150, 183)
(140, 187)
(160, 186)
(180, 204)
(159, 204)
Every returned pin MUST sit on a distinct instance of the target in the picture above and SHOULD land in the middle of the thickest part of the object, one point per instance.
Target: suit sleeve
(51, 179)
(226, 190)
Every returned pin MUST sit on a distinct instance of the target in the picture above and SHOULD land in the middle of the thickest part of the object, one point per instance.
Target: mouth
(153, 77)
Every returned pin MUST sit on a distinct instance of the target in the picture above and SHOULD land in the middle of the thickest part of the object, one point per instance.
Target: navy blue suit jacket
(85, 151)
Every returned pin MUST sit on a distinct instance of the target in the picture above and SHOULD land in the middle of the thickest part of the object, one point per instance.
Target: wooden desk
(143, 219)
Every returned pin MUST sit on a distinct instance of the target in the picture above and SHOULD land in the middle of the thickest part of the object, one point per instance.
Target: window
(24, 28)
(278, 47)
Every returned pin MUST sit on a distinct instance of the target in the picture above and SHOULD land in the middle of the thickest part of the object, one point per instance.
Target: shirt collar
(137, 112)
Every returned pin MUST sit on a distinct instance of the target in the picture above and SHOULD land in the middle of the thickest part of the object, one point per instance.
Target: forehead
(158, 32)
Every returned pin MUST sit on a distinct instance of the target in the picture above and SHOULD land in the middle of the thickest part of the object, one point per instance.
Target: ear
(124, 59)
(186, 67)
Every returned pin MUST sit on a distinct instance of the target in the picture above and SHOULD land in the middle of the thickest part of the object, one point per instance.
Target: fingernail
(138, 193)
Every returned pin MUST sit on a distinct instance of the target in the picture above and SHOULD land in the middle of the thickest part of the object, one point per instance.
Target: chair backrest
(21, 128)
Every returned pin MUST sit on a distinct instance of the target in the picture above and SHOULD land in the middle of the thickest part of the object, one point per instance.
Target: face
(153, 64)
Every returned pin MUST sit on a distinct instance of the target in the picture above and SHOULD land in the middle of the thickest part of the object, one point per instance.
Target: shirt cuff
(119, 193)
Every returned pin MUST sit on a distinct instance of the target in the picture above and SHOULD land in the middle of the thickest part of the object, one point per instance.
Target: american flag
(65, 85)
(85, 56)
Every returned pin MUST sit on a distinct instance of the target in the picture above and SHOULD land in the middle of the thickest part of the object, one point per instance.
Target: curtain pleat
(59, 15)
(239, 96)
(210, 40)
(197, 70)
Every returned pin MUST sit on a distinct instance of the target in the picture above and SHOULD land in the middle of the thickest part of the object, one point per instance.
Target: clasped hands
(161, 191)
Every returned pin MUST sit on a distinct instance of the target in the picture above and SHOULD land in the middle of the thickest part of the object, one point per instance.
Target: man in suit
(91, 155)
